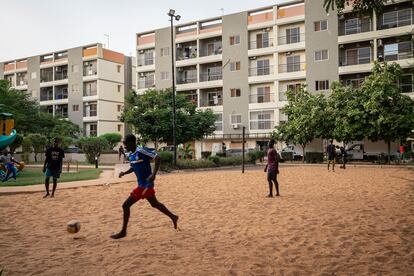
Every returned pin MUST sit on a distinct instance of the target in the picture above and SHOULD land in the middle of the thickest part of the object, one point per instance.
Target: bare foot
(277, 194)
(270, 196)
(46, 195)
(120, 235)
(175, 220)
(52, 195)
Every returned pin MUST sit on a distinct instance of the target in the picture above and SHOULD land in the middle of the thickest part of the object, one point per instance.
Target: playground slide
(7, 140)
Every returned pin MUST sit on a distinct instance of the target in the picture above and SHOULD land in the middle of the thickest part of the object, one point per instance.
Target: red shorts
(141, 193)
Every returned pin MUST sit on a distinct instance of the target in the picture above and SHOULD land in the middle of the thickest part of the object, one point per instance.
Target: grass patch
(31, 176)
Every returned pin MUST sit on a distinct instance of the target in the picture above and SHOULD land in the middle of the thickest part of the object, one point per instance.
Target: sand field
(356, 221)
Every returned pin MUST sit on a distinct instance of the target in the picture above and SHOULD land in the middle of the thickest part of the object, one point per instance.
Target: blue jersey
(140, 163)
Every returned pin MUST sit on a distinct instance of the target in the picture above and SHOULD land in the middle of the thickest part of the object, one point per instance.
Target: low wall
(105, 158)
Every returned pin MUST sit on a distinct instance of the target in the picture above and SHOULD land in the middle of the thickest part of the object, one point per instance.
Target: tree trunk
(35, 157)
(303, 157)
(389, 152)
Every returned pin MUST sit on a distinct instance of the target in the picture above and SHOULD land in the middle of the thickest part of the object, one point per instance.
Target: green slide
(7, 140)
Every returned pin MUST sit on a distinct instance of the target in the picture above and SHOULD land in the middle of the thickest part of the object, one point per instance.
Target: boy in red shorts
(139, 159)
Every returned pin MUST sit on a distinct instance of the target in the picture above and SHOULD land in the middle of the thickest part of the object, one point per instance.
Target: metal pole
(243, 141)
(173, 90)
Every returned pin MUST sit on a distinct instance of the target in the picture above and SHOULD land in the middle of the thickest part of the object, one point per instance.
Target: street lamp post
(172, 16)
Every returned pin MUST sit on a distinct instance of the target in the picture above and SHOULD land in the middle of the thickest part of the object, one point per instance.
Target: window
(33, 75)
(397, 51)
(75, 68)
(322, 85)
(263, 67)
(294, 87)
(292, 35)
(214, 98)
(354, 83)
(293, 63)
(262, 40)
(399, 18)
(119, 128)
(235, 66)
(406, 83)
(219, 121)
(321, 25)
(261, 120)
(263, 94)
(119, 87)
(234, 40)
(75, 107)
(165, 75)
(235, 92)
(321, 55)
(93, 130)
(235, 119)
(118, 68)
(165, 51)
(90, 89)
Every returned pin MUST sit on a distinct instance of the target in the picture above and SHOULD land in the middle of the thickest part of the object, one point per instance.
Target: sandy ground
(359, 221)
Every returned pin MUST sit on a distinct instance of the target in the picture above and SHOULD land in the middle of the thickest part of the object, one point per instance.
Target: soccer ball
(73, 226)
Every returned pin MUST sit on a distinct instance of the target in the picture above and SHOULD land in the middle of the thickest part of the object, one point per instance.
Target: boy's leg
(333, 165)
(329, 162)
(126, 208)
(161, 207)
(276, 185)
(47, 179)
(54, 186)
(269, 180)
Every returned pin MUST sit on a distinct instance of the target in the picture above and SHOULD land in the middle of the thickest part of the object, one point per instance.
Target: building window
(321, 25)
(406, 83)
(234, 40)
(219, 122)
(261, 120)
(90, 89)
(263, 94)
(322, 85)
(119, 87)
(119, 128)
(292, 35)
(165, 75)
(235, 92)
(165, 51)
(321, 55)
(75, 107)
(354, 83)
(75, 68)
(93, 130)
(263, 67)
(33, 75)
(235, 66)
(118, 68)
(399, 18)
(293, 64)
(235, 119)
(119, 108)
(358, 56)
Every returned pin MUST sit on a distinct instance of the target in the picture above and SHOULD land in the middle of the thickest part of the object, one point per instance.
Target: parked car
(73, 149)
(291, 149)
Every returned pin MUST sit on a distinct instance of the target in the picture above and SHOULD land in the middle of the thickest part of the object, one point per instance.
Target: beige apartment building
(85, 85)
(240, 65)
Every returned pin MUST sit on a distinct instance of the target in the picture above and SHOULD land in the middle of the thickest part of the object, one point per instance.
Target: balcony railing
(21, 81)
(352, 59)
(262, 124)
(407, 88)
(360, 27)
(261, 71)
(90, 92)
(396, 19)
(260, 44)
(90, 71)
(211, 76)
(292, 67)
(207, 51)
(46, 96)
(391, 55)
(282, 40)
(208, 103)
(145, 61)
(146, 83)
(61, 75)
(61, 111)
(188, 79)
(46, 76)
(262, 98)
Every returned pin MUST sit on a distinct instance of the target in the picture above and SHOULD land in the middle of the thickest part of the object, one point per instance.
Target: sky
(33, 27)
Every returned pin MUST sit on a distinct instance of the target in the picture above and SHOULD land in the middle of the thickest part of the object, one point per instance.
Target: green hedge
(253, 156)
(230, 161)
(195, 164)
(287, 156)
(314, 157)
(205, 154)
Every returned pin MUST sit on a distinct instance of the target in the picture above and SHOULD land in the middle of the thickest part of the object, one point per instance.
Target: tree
(112, 138)
(359, 6)
(38, 143)
(27, 149)
(303, 118)
(345, 110)
(93, 147)
(16, 143)
(151, 116)
(389, 112)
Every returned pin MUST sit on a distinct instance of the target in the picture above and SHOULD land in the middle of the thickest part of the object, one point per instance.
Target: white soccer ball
(73, 226)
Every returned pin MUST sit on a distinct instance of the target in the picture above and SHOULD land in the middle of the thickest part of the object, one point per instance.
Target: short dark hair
(130, 138)
(331, 141)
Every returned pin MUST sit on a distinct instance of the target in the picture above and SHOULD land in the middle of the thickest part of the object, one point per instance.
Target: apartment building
(85, 85)
(241, 65)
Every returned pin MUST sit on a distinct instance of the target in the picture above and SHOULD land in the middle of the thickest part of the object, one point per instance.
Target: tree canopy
(359, 6)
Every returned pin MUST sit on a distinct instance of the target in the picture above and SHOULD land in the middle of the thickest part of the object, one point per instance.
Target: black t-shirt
(54, 157)
(331, 150)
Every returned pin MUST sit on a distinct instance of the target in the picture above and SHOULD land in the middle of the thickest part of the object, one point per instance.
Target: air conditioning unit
(235, 126)
(141, 51)
(252, 58)
(288, 53)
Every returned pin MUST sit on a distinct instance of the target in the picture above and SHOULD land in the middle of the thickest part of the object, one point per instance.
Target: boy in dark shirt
(53, 165)
(331, 151)
(272, 168)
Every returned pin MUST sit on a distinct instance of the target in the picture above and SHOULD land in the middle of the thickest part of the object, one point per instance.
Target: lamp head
(178, 17)
(171, 12)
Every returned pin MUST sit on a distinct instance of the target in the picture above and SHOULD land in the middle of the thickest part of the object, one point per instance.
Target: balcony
(146, 59)
(46, 94)
(217, 74)
(144, 83)
(90, 89)
(210, 98)
(397, 51)
(61, 92)
(354, 26)
(186, 50)
(186, 76)
(261, 124)
(21, 79)
(260, 17)
(90, 109)
(61, 110)
(262, 98)
(46, 75)
(61, 72)
(395, 18)
(261, 71)
(260, 44)
(210, 48)
(191, 96)
(90, 68)
(284, 40)
(292, 67)
(355, 57)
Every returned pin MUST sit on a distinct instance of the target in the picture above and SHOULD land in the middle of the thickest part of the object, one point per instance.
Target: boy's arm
(157, 161)
(46, 161)
(121, 174)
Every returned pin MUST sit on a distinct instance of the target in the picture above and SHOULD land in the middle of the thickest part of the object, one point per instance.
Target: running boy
(139, 159)
(53, 165)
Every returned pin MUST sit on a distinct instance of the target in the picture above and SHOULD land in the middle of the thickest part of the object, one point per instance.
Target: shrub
(205, 154)
(195, 164)
(314, 157)
(260, 155)
(287, 156)
(215, 160)
(251, 157)
(220, 154)
(112, 138)
(93, 146)
(27, 149)
(230, 161)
